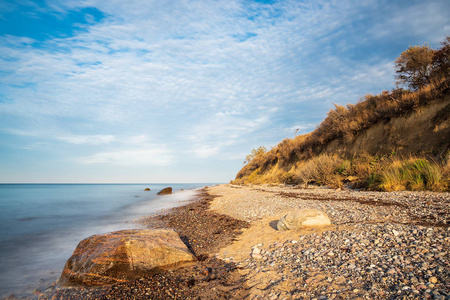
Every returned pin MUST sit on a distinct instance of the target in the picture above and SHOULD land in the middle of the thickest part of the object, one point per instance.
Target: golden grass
(386, 173)
(322, 170)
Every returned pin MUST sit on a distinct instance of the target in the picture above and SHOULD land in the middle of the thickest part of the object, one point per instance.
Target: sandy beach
(379, 246)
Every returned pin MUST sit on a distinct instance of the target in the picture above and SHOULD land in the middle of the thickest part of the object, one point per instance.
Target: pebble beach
(379, 246)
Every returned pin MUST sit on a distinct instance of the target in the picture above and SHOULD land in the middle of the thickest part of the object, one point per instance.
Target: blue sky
(182, 90)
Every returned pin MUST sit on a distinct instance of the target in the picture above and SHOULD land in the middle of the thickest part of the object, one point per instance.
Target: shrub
(322, 170)
(255, 153)
(414, 174)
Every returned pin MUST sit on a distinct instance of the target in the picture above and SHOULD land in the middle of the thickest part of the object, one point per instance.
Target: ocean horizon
(42, 223)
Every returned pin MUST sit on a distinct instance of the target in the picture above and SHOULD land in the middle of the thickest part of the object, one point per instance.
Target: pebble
(368, 270)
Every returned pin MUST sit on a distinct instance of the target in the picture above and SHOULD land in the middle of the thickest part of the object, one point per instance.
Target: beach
(41, 225)
(379, 246)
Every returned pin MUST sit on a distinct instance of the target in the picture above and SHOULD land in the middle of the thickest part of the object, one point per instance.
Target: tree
(441, 61)
(255, 152)
(414, 66)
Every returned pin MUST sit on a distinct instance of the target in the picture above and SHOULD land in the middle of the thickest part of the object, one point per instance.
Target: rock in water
(303, 218)
(122, 256)
(147, 189)
(166, 191)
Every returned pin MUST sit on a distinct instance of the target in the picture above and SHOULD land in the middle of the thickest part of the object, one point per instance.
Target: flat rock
(165, 191)
(122, 256)
(303, 218)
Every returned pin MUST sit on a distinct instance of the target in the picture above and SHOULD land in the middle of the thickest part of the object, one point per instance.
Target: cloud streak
(130, 157)
(200, 79)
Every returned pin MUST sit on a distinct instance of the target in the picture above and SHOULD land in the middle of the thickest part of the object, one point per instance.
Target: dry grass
(346, 122)
(385, 173)
(322, 170)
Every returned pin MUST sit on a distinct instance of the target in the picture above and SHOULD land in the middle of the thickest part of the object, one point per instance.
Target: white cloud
(96, 139)
(130, 157)
(19, 132)
(188, 76)
(205, 150)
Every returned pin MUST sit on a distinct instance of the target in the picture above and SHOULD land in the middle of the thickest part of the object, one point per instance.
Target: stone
(256, 256)
(433, 279)
(165, 191)
(147, 189)
(122, 256)
(303, 218)
(391, 271)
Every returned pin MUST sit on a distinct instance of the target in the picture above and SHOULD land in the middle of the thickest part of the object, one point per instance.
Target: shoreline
(204, 232)
(381, 245)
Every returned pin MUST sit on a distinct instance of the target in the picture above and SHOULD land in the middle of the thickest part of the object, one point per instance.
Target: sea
(41, 224)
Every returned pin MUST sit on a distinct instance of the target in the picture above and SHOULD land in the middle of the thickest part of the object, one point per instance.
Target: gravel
(370, 261)
(382, 246)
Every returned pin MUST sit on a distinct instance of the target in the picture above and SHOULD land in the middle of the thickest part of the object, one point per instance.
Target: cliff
(398, 123)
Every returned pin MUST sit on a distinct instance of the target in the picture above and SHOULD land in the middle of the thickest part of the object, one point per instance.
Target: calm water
(41, 224)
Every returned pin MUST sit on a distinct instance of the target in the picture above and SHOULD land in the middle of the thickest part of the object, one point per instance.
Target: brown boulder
(166, 191)
(147, 189)
(123, 255)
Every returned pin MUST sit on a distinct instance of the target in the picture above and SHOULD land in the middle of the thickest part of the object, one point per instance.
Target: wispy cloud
(200, 79)
(131, 157)
(96, 139)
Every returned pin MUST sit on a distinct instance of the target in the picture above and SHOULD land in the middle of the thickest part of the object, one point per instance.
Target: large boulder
(166, 191)
(123, 255)
(303, 218)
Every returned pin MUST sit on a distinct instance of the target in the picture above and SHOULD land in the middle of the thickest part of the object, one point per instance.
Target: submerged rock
(303, 218)
(166, 191)
(122, 256)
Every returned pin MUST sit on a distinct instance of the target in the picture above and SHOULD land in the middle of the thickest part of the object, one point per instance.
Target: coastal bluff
(122, 256)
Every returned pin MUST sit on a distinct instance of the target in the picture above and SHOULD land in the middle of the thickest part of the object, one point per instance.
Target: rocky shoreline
(381, 246)
(204, 232)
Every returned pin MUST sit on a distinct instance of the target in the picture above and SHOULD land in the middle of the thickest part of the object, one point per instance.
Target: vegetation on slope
(337, 151)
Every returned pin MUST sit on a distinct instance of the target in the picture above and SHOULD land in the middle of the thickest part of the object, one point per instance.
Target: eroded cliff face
(426, 131)
(423, 132)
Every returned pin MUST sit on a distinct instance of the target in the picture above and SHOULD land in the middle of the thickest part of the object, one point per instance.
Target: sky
(144, 91)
